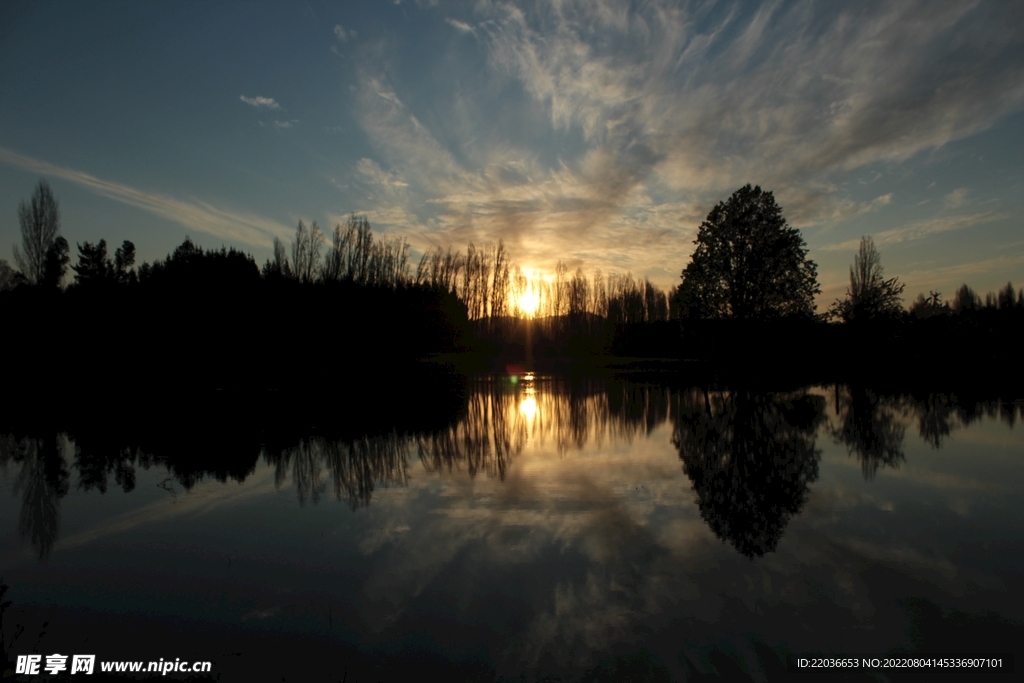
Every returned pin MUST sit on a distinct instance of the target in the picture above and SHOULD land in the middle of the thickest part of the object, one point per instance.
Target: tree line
(749, 266)
(872, 296)
(489, 287)
(216, 312)
(484, 278)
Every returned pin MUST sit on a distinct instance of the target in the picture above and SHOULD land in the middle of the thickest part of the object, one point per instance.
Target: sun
(528, 302)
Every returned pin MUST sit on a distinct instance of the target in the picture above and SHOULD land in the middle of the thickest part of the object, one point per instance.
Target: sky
(594, 132)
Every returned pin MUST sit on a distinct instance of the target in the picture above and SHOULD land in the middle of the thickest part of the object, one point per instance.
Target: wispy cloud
(342, 33)
(460, 25)
(812, 205)
(222, 223)
(660, 111)
(203, 498)
(260, 102)
(544, 214)
(956, 198)
(725, 105)
(945, 278)
(921, 229)
(372, 170)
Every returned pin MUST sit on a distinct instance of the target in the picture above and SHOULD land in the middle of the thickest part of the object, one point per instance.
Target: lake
(523, 527)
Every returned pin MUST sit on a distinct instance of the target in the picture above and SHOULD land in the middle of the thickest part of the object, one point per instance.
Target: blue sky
(599, 133)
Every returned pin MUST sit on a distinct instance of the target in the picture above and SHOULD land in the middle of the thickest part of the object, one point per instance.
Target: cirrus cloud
(646, 116)
(260, 102)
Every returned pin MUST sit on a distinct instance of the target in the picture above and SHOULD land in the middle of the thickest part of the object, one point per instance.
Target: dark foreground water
(543, 527)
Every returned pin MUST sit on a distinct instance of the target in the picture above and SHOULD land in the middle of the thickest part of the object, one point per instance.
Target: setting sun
(528, 302)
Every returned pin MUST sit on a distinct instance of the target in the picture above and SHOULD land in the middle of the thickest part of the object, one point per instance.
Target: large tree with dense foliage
(749, 263)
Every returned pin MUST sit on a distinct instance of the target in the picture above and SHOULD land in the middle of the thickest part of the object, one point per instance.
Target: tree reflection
(936, 417)
(97, 458)
(501, 416)
(577, 413)
(487, 437)
(751, 457)
(939, 414)
(42, 482)
(971, 409)
(869, 426)
(355, 466)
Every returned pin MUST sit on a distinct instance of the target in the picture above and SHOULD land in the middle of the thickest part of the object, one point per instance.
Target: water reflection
(573, 413)
(488, 436)
(354, 467)
(751, 457)
(869, 425)
(936, 418)
(502, 416)
(939, 413)
(42, 482)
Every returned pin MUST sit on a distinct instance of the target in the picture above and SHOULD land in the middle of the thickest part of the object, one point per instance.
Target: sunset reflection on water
(551, 524)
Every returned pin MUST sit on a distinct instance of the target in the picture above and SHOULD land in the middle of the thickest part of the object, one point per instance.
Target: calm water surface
(549, 527)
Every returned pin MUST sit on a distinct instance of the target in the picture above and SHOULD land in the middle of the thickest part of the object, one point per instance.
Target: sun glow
(528, 302)
(528, 407)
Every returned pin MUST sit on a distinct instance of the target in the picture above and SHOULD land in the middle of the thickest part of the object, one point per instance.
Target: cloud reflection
(593, 521)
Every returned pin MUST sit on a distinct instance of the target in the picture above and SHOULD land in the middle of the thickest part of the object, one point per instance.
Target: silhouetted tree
(599, 295)
(749, 263)
(306, 252)
(474, 290)
(571, 306)
(440, 269)
(929, 307)
(966, 300)
(751, 457)
(501, 282)
(40, 225)
(870, 296)
(93, 264)
(631, 301)
(1007, 297)
(124, 262)
(8, 276)
(355, 256)
(56, 264)
(279, 266)
(191, 265)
